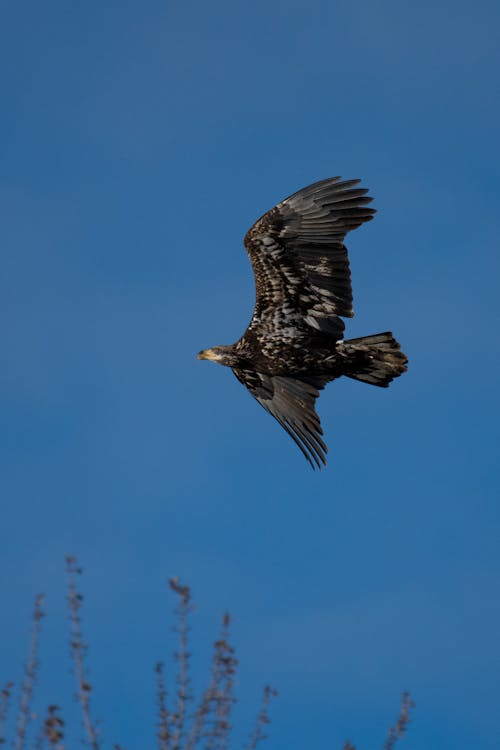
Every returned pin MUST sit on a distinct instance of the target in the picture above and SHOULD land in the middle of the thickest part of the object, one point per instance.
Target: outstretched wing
(300, 263)
(291, 402)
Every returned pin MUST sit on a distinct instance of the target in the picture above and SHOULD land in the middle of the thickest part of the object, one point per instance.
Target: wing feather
(291, 401)
(300, 263)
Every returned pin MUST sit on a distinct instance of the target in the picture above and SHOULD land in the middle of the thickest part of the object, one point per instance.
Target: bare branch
(30, 673)
(200, 716)
(180, 729)
(53, 728)
(78, 651)
(163, 734)
(221, 696)
(182, 658)
(401, 725)
(263, 719)
(4, 709)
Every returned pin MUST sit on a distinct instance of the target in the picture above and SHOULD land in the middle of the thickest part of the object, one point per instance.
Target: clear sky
(139, 141)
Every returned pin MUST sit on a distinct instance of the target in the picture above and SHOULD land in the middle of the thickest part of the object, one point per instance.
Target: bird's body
(294, 344)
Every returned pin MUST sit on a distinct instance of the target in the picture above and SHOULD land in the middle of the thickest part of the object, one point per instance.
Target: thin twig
(182, 658)
(223, 699)
(163, 733)
(263, 719)
(215, 697)
(30, 673)
(195, 733)
(200, 716)
(4, 709)
(218, 698)
(53, 728)
(78, 651)
(401, 725)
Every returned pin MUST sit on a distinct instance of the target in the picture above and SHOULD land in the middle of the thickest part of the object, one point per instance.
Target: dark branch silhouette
(262, 719)
(164, 734)
(401, 725)
(30, 673)
(79, 650)
(178, 727)
(182, 658)
(53, 728)
(4, 708)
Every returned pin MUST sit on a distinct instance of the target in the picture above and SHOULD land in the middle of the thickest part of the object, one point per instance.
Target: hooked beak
(206, 354)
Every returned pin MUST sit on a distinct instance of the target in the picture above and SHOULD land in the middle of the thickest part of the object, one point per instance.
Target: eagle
(294, 344)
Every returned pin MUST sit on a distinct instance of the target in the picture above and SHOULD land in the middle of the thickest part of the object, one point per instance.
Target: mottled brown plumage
(294, 344)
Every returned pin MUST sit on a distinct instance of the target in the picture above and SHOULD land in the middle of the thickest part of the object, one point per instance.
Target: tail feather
(383, 360)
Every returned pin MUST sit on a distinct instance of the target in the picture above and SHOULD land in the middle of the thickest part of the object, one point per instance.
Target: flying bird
(294, 344)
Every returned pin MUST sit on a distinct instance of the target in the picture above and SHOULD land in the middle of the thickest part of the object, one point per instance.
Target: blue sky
(139, 141)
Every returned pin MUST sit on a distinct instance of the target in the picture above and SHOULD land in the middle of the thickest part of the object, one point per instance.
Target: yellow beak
(206, 354)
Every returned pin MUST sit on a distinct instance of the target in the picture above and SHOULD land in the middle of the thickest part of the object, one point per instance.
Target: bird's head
(224, 355)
